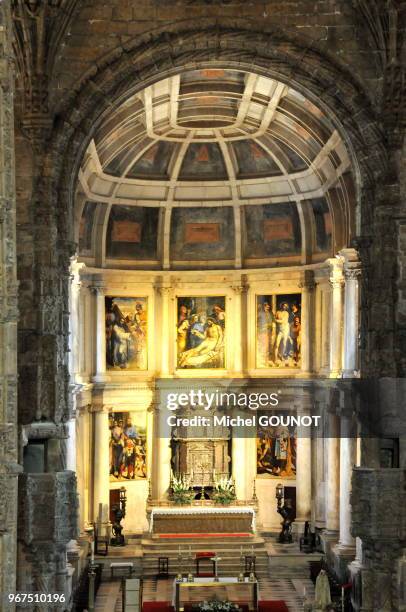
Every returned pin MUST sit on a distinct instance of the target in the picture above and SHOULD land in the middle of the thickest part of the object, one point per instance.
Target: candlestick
(92, 552)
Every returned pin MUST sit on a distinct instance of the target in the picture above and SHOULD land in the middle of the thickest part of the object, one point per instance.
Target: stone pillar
(308, 287)
(352, 272)
(101, 464)
(164, 327)
(347, 460)
(336, 317)
(303, 475)
(236, 349)
(333, 478)
(100, 335)
(161, 466)
(71, 445)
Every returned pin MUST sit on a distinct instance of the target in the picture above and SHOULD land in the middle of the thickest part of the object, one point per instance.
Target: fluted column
(307, 322)
(333, 477)
(336, 318)
(100, 334)
(352, 272)
(101, 464)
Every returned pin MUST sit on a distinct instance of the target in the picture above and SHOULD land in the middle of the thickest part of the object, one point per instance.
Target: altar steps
(227, 548)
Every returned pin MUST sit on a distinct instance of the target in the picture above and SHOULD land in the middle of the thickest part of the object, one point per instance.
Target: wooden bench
(123, 565)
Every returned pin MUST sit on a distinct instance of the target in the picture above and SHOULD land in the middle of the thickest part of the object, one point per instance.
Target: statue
(322, 595)
(287, 513)
(117, 528)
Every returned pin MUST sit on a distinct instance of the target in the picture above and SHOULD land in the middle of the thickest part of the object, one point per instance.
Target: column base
(345, 551)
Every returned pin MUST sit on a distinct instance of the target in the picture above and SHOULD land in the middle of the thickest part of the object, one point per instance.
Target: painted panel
(132, 233)
(276, 450)
(201, 329)
(279, 335)
(272, 230)
(126, 333)
(128, 456)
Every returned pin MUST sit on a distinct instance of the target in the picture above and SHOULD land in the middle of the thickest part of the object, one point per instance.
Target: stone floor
(287, 589)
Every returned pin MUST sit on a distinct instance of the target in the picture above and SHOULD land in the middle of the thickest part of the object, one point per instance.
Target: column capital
(97, 290)
(239, 289)
(101, 408)
(163, 291)
(308, 283)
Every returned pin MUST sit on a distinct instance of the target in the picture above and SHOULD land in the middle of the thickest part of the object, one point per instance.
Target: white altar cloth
(202, 510)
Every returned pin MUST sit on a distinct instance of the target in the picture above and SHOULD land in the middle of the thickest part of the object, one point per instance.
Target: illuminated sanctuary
(202, 376)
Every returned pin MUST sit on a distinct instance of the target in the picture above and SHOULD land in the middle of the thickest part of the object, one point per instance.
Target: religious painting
(201, 332)
(276, 450)
(272, 230)
(128, 435)
(203, 161)
(278, 335)
(126, 333)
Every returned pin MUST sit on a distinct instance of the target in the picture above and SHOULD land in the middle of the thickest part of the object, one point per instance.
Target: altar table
(204, 584)
(202, 519)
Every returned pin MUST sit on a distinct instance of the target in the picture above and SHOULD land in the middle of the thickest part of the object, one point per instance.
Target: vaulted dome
(219, 139)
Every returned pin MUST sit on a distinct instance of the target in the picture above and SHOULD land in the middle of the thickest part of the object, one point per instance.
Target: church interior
(203, 322)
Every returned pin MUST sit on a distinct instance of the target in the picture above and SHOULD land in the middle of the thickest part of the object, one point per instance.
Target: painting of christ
(279, 331)
(201, 328)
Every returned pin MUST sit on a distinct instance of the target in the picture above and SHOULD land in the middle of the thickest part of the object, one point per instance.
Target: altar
(224, 589)
(189, 519)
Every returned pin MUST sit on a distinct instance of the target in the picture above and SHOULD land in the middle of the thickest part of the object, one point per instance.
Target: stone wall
(76, 59)
(9, 467)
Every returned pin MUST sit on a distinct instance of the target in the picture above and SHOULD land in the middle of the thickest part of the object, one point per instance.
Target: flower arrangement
(182, 492)
(224, 490)
(217, 606)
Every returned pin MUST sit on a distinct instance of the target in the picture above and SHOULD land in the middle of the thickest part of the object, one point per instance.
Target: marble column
(333, 478)
(308, 287)
(347, 461)
(352, 272)
(303, 474)
(100, 335)
(101, 463)
(336, 317)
